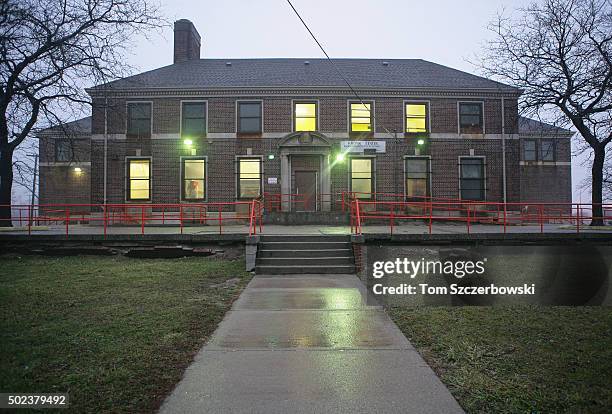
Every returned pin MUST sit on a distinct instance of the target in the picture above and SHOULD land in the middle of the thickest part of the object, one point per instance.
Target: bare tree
(50, 51)
(560, 53)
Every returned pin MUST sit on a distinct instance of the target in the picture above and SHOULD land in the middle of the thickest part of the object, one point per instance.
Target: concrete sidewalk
(308, 343)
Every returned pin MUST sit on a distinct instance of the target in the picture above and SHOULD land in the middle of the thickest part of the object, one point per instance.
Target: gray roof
(79, 128)
(528, 126)
(277, 72)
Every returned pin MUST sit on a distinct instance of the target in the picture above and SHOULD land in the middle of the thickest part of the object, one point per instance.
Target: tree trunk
(596, 190)
(6, 185)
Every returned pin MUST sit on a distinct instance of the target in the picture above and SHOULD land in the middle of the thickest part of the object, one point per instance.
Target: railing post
(578, 218)
(67, 220)
(430, 215)
(105, 218)
(220, 221)
(391, 221)
(142, 219)
(181, 217)
(505, 218)
(541, 219)
(468, 218)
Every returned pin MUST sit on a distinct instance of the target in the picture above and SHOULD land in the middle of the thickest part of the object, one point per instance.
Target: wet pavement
(308, 343)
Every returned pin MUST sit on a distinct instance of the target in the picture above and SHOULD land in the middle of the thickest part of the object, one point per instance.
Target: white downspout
(503, 131)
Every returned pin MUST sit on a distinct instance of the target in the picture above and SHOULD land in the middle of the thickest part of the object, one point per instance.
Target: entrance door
(306, 189)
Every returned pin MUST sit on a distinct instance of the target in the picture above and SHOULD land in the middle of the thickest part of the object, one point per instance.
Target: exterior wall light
(340, 157)
(421, 141)
(270, 156)
(78, 170)
(188, 142)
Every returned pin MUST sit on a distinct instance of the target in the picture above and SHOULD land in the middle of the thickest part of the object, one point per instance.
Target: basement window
(305, 116)
(193, 171)
(361, 117)
(139, 179)
(249, 178)
(362, 174)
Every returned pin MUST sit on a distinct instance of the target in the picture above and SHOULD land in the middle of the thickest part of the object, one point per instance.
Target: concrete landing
(308, 343)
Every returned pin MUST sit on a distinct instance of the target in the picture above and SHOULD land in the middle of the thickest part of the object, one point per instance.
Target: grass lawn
(115, 333)
(517, 359)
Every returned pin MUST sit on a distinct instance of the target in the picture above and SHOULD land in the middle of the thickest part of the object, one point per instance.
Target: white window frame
(193, 157)
(429, 173)
(484, 127)
(484, 172)
(205, 101)
(127, 179)
(127, 117)
(427, 114)
(305, 100)
(372, 103)
(237, 174)
(350, 173)
(237, 119)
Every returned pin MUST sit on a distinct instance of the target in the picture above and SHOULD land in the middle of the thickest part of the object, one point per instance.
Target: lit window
(194, 178)
(417, 178)
(529, 150)
(547, 150)
(139, 119)
(361, 177)
(249, 177)
(249, 117)
(472, 179)
(470, 118)
(139, 181)
(193, 119)
(361, 117)
(305, 116)
(416, 117)
(63, 150)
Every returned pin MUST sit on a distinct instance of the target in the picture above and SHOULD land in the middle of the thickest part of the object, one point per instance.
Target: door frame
(316, 173)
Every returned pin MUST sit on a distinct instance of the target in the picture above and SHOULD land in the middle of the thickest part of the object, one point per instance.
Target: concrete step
(298, 269)
(304, 245)
(306, 238)
(304, 261)
(304, 253)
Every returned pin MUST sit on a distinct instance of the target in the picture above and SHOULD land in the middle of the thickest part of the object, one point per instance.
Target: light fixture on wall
(188, 142)
(78, 170)
(271, 156)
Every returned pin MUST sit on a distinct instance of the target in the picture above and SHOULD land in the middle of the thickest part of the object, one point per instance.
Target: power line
(334, 65)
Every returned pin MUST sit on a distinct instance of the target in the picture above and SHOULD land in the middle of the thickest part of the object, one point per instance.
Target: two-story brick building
(233, 129)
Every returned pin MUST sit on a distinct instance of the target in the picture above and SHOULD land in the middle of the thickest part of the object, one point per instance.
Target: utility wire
(334, 65)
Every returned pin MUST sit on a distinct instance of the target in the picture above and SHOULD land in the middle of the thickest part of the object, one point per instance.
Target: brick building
(233, 129)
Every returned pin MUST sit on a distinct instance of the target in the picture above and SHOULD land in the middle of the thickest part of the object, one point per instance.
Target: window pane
(362, 185)
(470, 109)
(471, 195)
(471, 120)
(416, 188)
(250, 125)
(361, 167)
(305, 110)
(194, 110)
(249, 110)
(194, 169)
(415, 110)
(139, 189)
(472, 179)
(139, 110)
(305, 124)
(194, 126)
(415, 125)
(249, 188)
(63, 151)
(471, 171)
(194, 189)
(529, 150)
(416, 167)
(548, 153)
(139, 169)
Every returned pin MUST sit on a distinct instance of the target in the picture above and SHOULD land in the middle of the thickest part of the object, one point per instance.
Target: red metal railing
(249, 213)
(389, 213)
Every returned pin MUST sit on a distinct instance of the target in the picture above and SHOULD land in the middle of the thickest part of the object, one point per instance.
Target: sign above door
(361, 146)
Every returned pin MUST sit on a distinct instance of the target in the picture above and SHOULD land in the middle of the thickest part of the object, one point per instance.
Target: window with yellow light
(139, 183)
(361, 117)
(305, 114)
(416, 117)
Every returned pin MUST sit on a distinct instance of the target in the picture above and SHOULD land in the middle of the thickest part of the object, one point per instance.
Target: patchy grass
(115, 333)
(517, 359)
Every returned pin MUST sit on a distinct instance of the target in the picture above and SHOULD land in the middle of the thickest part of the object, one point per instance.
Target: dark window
(249, 117)
(529, 150)
(249, 177)
(470, 118)
(472, 179)
(63, 150)
(547, 150)
(193, 122)
(139, 119)
(417, 178)
(362, 174)
(416, 117)
(194, 178)
(139, 179)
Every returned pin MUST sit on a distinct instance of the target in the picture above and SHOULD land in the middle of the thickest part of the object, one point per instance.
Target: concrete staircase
(304, 254)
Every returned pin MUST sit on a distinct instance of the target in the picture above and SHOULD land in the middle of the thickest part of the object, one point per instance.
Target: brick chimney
(186, 41)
